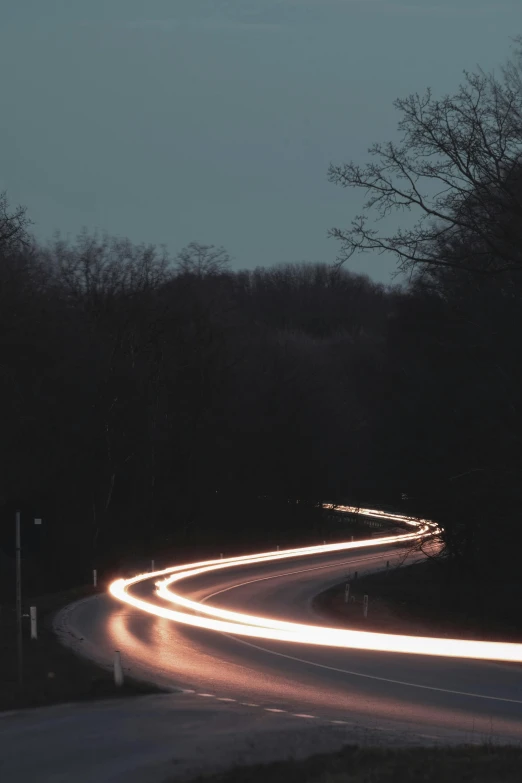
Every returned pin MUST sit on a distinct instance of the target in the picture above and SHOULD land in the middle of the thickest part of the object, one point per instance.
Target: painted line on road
(274, 710)
(291, 573)
(374, 676)
(266, 709)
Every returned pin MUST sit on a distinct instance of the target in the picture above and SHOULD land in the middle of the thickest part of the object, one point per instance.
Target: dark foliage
(148, 404)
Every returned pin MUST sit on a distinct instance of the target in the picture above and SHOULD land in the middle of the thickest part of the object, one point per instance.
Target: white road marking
(374, 676)
(353, 561)
(273, 709)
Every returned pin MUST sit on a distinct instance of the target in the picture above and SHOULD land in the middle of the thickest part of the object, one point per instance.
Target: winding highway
(242, 632)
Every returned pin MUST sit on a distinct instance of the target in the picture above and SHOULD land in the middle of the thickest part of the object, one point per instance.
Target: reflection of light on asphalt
(122, 635)
(225, 621)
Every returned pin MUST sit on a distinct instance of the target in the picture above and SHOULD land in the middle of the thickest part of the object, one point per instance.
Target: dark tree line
(452, 427)
(150, 402)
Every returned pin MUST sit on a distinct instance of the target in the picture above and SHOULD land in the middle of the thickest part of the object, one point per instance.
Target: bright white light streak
(224, 621)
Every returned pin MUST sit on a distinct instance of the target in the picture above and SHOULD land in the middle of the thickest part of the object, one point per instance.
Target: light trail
(237, 623)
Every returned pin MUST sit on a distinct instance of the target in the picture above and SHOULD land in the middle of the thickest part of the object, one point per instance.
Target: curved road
(417, 695)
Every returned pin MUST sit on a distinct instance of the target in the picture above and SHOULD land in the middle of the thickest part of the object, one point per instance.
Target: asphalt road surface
(236, 700)
(431, 695)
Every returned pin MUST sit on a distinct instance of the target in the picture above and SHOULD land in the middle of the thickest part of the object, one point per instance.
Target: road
(423, 694)
(240, 699)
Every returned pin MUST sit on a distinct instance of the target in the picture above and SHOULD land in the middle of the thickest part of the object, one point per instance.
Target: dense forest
(149, 401)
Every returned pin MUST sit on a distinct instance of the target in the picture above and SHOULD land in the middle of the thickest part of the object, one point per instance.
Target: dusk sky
(169, 121)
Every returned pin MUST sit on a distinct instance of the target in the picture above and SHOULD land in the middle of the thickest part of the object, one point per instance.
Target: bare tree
(95, 269)
(13, 225)
(459, 164)
(202, 260)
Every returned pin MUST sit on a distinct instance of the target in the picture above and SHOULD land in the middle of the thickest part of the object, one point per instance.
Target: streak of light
(237, 623)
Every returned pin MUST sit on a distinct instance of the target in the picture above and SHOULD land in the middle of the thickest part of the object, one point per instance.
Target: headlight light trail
(237, 623)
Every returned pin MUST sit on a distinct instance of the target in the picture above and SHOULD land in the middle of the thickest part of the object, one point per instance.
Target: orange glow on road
(200, 615)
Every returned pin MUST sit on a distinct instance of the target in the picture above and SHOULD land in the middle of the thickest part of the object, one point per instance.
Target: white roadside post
(347, 592)
(94, 577)
(365, 606)
(118, 671)
(152, 565)
(32, 614)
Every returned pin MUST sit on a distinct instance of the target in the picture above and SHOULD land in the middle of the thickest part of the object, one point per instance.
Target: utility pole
(19, 601)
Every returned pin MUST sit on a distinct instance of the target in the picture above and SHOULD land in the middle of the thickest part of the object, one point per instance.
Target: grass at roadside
(51, 672)
(415, 599)
(473, 764)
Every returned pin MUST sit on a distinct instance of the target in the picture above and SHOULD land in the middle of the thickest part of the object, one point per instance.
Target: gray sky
(169, 121)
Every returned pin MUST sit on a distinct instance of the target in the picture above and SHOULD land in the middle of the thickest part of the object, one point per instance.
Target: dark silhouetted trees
(149, 401)
(457, 167)
(449, 423)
